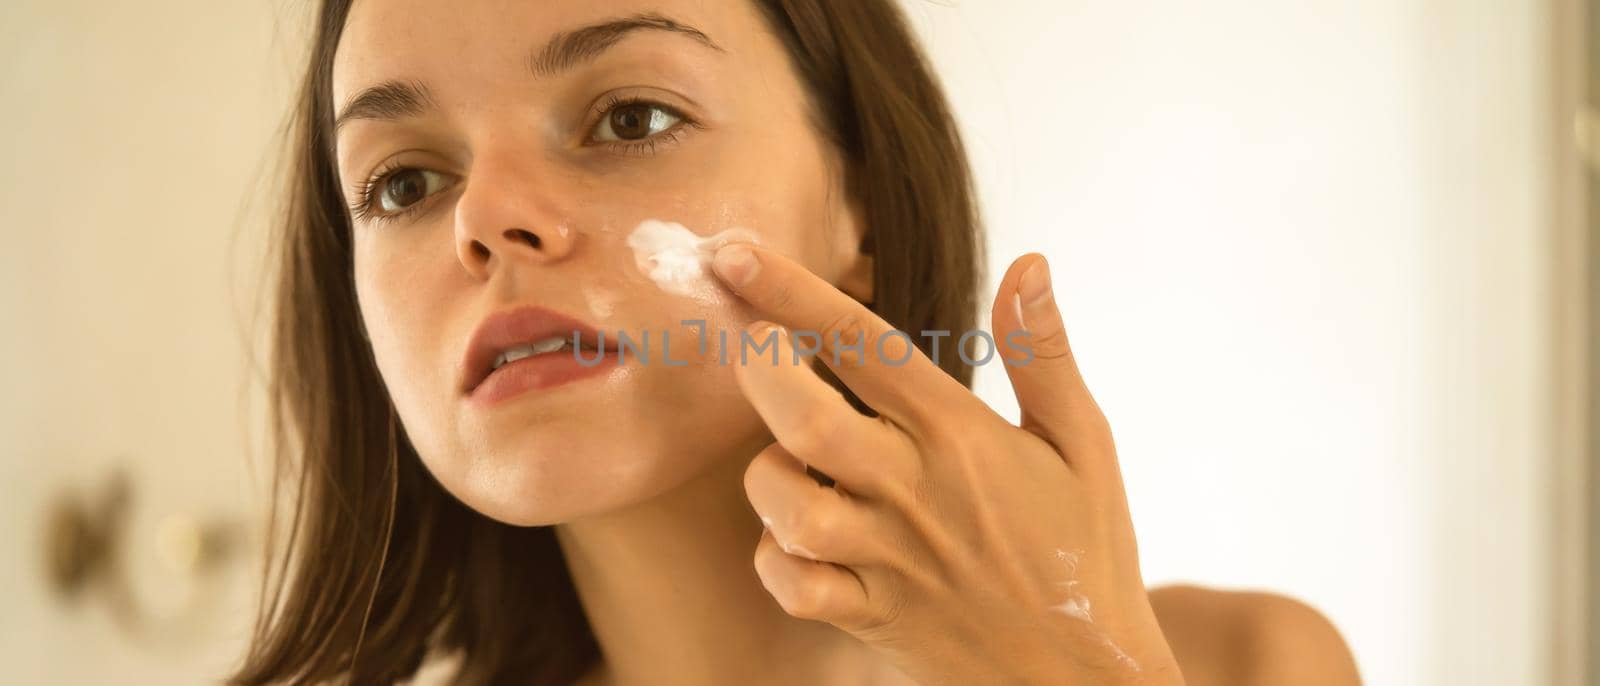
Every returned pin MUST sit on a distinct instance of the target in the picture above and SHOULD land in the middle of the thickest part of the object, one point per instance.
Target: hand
(966, 549)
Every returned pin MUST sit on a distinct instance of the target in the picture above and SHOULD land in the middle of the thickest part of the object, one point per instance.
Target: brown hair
(377, 567)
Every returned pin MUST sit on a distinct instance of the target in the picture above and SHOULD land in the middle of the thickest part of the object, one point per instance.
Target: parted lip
(514, 327)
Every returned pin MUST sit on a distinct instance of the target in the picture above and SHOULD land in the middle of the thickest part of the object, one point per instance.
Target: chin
(536, 463)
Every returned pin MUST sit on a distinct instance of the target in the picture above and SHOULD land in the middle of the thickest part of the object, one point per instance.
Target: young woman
(491, 197)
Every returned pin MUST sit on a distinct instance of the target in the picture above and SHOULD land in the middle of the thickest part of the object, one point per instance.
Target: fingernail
(763, 330)
(1035, 282)
(736, 264)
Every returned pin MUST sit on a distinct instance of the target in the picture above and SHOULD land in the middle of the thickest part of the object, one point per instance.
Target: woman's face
(517, 149)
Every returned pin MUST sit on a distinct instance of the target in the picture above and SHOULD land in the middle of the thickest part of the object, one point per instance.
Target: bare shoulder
(1241, 637)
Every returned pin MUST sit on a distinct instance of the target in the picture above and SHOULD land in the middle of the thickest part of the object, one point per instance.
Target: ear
(854, 254)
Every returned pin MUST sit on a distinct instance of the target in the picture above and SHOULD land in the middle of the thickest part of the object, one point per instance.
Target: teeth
(548, 345)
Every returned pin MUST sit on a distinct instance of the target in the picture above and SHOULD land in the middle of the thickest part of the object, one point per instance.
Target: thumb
(1056, 404)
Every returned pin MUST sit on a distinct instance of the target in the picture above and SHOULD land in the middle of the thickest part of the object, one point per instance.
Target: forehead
(465, 40)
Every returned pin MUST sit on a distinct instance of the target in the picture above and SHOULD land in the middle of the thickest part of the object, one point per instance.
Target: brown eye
(407, 187)
(635, 121)
(403, 189)
(631, 122)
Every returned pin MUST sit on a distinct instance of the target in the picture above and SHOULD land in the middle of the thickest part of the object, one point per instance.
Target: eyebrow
(569, 49)
(566, 50)
(387, 100)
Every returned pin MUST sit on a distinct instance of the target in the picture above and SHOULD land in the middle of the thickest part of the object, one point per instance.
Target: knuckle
(1102, 425)
(1103, 435)
(901, 493)
(892, 479)
(873, 616)
(780, 297)
(894, 472)
(815, 433)
(767, 560)
(813, 527)
(879, 620)
(1089, 424)
(849, 327)
(809, 600)
(895, 348)
(1051, 346)
(757, 472)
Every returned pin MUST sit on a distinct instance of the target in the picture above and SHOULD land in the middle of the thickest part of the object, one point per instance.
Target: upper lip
(511, 328)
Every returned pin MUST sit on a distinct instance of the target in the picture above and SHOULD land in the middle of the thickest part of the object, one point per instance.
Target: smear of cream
(1076, 605)
(679, 260)
(601, 303)
(1121, 656)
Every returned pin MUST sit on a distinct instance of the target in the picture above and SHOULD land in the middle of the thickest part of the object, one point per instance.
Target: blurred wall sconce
(86, 555)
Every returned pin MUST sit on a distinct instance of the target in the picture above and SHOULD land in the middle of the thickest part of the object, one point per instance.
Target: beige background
(1317, 260)
(135, 135)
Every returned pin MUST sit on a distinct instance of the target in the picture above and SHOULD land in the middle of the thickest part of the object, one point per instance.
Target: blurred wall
(1302, 249)
(134, 138)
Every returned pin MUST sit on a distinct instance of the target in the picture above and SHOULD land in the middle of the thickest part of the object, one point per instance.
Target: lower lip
(540, 372)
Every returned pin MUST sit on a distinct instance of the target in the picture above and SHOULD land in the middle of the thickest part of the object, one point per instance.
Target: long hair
(373, 567)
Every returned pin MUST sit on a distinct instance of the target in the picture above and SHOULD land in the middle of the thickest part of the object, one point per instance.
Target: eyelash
(364, 207)
(647, 146)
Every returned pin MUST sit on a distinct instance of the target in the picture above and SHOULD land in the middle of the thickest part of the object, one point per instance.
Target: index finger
(879, 363)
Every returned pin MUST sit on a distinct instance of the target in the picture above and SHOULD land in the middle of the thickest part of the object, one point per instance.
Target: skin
(926, 563)
(515, 151)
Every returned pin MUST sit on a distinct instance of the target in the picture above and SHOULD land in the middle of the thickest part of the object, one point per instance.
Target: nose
(501, 220)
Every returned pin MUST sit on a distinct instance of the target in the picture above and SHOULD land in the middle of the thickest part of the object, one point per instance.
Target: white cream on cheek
(601, 303)
(678, 260)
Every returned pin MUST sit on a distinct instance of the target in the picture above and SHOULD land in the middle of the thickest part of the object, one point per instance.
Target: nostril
(528, 237)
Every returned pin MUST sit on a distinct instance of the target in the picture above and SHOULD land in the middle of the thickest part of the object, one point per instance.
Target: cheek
(606, 444)
(792, 214)
(777, 181)
(623, 438)
(402, 303)
(797, 213)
